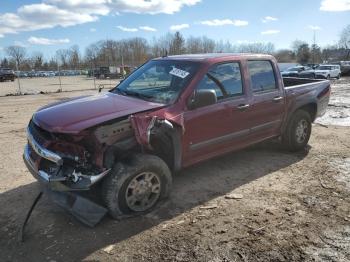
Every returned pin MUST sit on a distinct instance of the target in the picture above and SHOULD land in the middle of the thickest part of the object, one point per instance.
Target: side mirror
(203, 98)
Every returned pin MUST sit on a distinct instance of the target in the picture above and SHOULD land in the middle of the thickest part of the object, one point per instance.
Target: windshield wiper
(120, 92)
(138, 95)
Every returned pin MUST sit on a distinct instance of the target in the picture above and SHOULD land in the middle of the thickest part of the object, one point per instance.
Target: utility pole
(59, 75)
(18, 81)
(314, 47)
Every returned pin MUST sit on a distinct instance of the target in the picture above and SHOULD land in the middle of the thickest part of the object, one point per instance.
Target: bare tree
(62, 56)
(74, 57)
(17, 53)
(285, 56)
(177, 44)
(37, 60)
(344, 41)
(92, 53)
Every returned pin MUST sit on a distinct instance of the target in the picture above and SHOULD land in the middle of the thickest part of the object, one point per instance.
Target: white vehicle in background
(328, 71)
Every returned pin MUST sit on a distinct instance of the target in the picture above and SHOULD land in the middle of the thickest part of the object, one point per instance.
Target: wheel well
(311, 109)
(166, 144)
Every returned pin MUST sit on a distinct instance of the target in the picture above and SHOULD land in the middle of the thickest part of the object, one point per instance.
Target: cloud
(148, 28)
(218, 22)
(335, 5)
(40, 16)
(179, 27)
(150, 6)
(92, 30)
(45, 41)
(19, 43)
(267, 19)
(244, 42)
(270, 32)
(127, 29)
(1, 35)
(64, 13)
(314, 27)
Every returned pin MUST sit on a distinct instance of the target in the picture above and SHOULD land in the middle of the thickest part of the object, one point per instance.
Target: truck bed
(300, 91)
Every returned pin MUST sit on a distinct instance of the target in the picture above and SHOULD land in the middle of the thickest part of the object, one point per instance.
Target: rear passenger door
(216, 129)
(267, 99)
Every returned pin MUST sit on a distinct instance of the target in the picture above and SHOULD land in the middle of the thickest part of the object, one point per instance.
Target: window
(262, 76)
(225, 79)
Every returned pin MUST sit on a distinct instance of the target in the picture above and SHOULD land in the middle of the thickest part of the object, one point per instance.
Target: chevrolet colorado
(170, 113)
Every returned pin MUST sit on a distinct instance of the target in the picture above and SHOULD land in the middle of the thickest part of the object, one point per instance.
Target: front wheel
(298, 131)
(338, 77)
(136, 186)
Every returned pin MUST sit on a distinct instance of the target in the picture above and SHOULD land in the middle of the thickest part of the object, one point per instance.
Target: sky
(48, 25)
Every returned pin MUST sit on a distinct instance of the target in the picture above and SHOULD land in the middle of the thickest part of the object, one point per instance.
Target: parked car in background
(328, 71)
(294, 71)
(308, 72)
(345, 67)
(7, 74)
(313, 66)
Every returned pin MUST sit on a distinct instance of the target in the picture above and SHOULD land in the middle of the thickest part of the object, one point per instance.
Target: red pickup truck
(170, 113)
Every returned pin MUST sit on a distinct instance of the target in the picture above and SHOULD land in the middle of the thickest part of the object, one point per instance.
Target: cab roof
(214, 56)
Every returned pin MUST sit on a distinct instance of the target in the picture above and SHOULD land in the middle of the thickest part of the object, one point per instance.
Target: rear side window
(225, 79)
(262, 76)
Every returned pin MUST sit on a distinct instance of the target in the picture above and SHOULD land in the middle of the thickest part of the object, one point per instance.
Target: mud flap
(83, 209)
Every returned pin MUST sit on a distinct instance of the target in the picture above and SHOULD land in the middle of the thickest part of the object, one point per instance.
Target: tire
(338, 77)
(117, 191)
(298, 131)
(328, 77)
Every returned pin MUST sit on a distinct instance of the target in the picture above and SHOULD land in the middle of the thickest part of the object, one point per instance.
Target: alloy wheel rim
(143, 191)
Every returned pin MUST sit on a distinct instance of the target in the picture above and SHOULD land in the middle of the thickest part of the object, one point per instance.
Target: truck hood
(74, 115)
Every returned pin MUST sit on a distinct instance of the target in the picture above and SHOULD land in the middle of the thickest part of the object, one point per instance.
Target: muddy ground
(259, 204)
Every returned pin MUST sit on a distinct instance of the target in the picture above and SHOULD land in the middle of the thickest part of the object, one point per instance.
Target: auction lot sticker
(179, 73)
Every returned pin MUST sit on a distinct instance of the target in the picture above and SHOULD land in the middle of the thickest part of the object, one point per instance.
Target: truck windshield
(158, 81)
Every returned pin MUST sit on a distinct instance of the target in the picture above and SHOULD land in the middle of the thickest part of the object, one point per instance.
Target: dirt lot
(52, 84)
(285, 207)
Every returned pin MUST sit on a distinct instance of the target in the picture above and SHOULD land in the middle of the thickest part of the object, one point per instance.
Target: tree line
(137, 50)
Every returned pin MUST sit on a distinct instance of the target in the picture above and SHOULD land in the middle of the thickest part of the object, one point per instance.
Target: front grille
(41, 136)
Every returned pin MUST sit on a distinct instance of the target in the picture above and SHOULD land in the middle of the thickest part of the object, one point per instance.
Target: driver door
(215, 129)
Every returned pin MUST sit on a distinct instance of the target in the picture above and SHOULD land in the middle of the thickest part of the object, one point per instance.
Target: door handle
(243, 106)
(277, 98)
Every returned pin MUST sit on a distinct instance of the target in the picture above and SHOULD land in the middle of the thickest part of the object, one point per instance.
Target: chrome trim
(27, 157)
(96, 178)
(43, 152)
(44, 175)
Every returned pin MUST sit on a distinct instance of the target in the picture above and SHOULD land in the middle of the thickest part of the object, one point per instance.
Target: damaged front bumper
(57, 187)
(56, 182)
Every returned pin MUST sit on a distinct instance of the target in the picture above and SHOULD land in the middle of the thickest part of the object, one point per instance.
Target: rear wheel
(298, 131)
(135, 187)
(328, 77)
